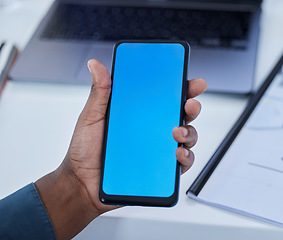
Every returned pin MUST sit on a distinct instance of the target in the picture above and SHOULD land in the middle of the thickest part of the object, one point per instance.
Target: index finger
(196, 87)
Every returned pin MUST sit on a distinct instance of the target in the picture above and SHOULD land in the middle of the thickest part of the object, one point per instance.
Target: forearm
(66, 202)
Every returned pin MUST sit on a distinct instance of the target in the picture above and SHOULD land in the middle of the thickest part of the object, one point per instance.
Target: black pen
(2, 45)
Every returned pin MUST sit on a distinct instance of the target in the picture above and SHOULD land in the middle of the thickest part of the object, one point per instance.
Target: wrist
(66, 201)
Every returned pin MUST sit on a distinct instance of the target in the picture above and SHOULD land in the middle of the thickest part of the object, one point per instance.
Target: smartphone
(149, 86)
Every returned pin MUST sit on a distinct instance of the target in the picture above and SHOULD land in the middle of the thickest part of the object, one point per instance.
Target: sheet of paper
(249, 178)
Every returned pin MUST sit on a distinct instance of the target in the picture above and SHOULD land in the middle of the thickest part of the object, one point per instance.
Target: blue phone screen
(145, 107)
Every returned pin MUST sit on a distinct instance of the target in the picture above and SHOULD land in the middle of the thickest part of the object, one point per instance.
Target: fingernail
(186, 152)
(88, 67)
(184, 131)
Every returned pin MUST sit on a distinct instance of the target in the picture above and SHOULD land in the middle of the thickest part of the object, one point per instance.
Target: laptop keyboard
(201, 28)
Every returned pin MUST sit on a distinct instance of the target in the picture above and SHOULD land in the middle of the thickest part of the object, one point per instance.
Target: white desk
(37, 121)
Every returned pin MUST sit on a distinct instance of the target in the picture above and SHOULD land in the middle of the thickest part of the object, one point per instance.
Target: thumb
(96, 105)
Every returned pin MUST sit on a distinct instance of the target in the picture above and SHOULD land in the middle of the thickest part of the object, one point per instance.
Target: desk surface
(37, 122)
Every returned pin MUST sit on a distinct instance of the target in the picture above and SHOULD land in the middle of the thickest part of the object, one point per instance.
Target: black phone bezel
(144, 200)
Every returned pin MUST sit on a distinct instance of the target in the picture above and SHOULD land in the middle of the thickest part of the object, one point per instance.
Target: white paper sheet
(249, 178)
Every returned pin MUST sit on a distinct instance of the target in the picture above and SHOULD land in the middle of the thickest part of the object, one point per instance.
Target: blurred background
(49, 84)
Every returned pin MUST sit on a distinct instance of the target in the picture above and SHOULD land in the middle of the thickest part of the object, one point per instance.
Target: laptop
(223, 35)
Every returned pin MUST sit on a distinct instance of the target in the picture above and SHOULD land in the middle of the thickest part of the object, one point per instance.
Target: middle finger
(186, 134)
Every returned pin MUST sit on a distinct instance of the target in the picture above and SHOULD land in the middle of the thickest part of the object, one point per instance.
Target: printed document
(249, 178)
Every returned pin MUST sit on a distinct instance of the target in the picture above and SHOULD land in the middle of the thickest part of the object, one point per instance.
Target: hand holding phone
(139, 164)
(77, 178)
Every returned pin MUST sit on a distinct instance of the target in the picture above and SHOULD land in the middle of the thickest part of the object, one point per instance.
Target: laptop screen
(224, 1)
(254, 2)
